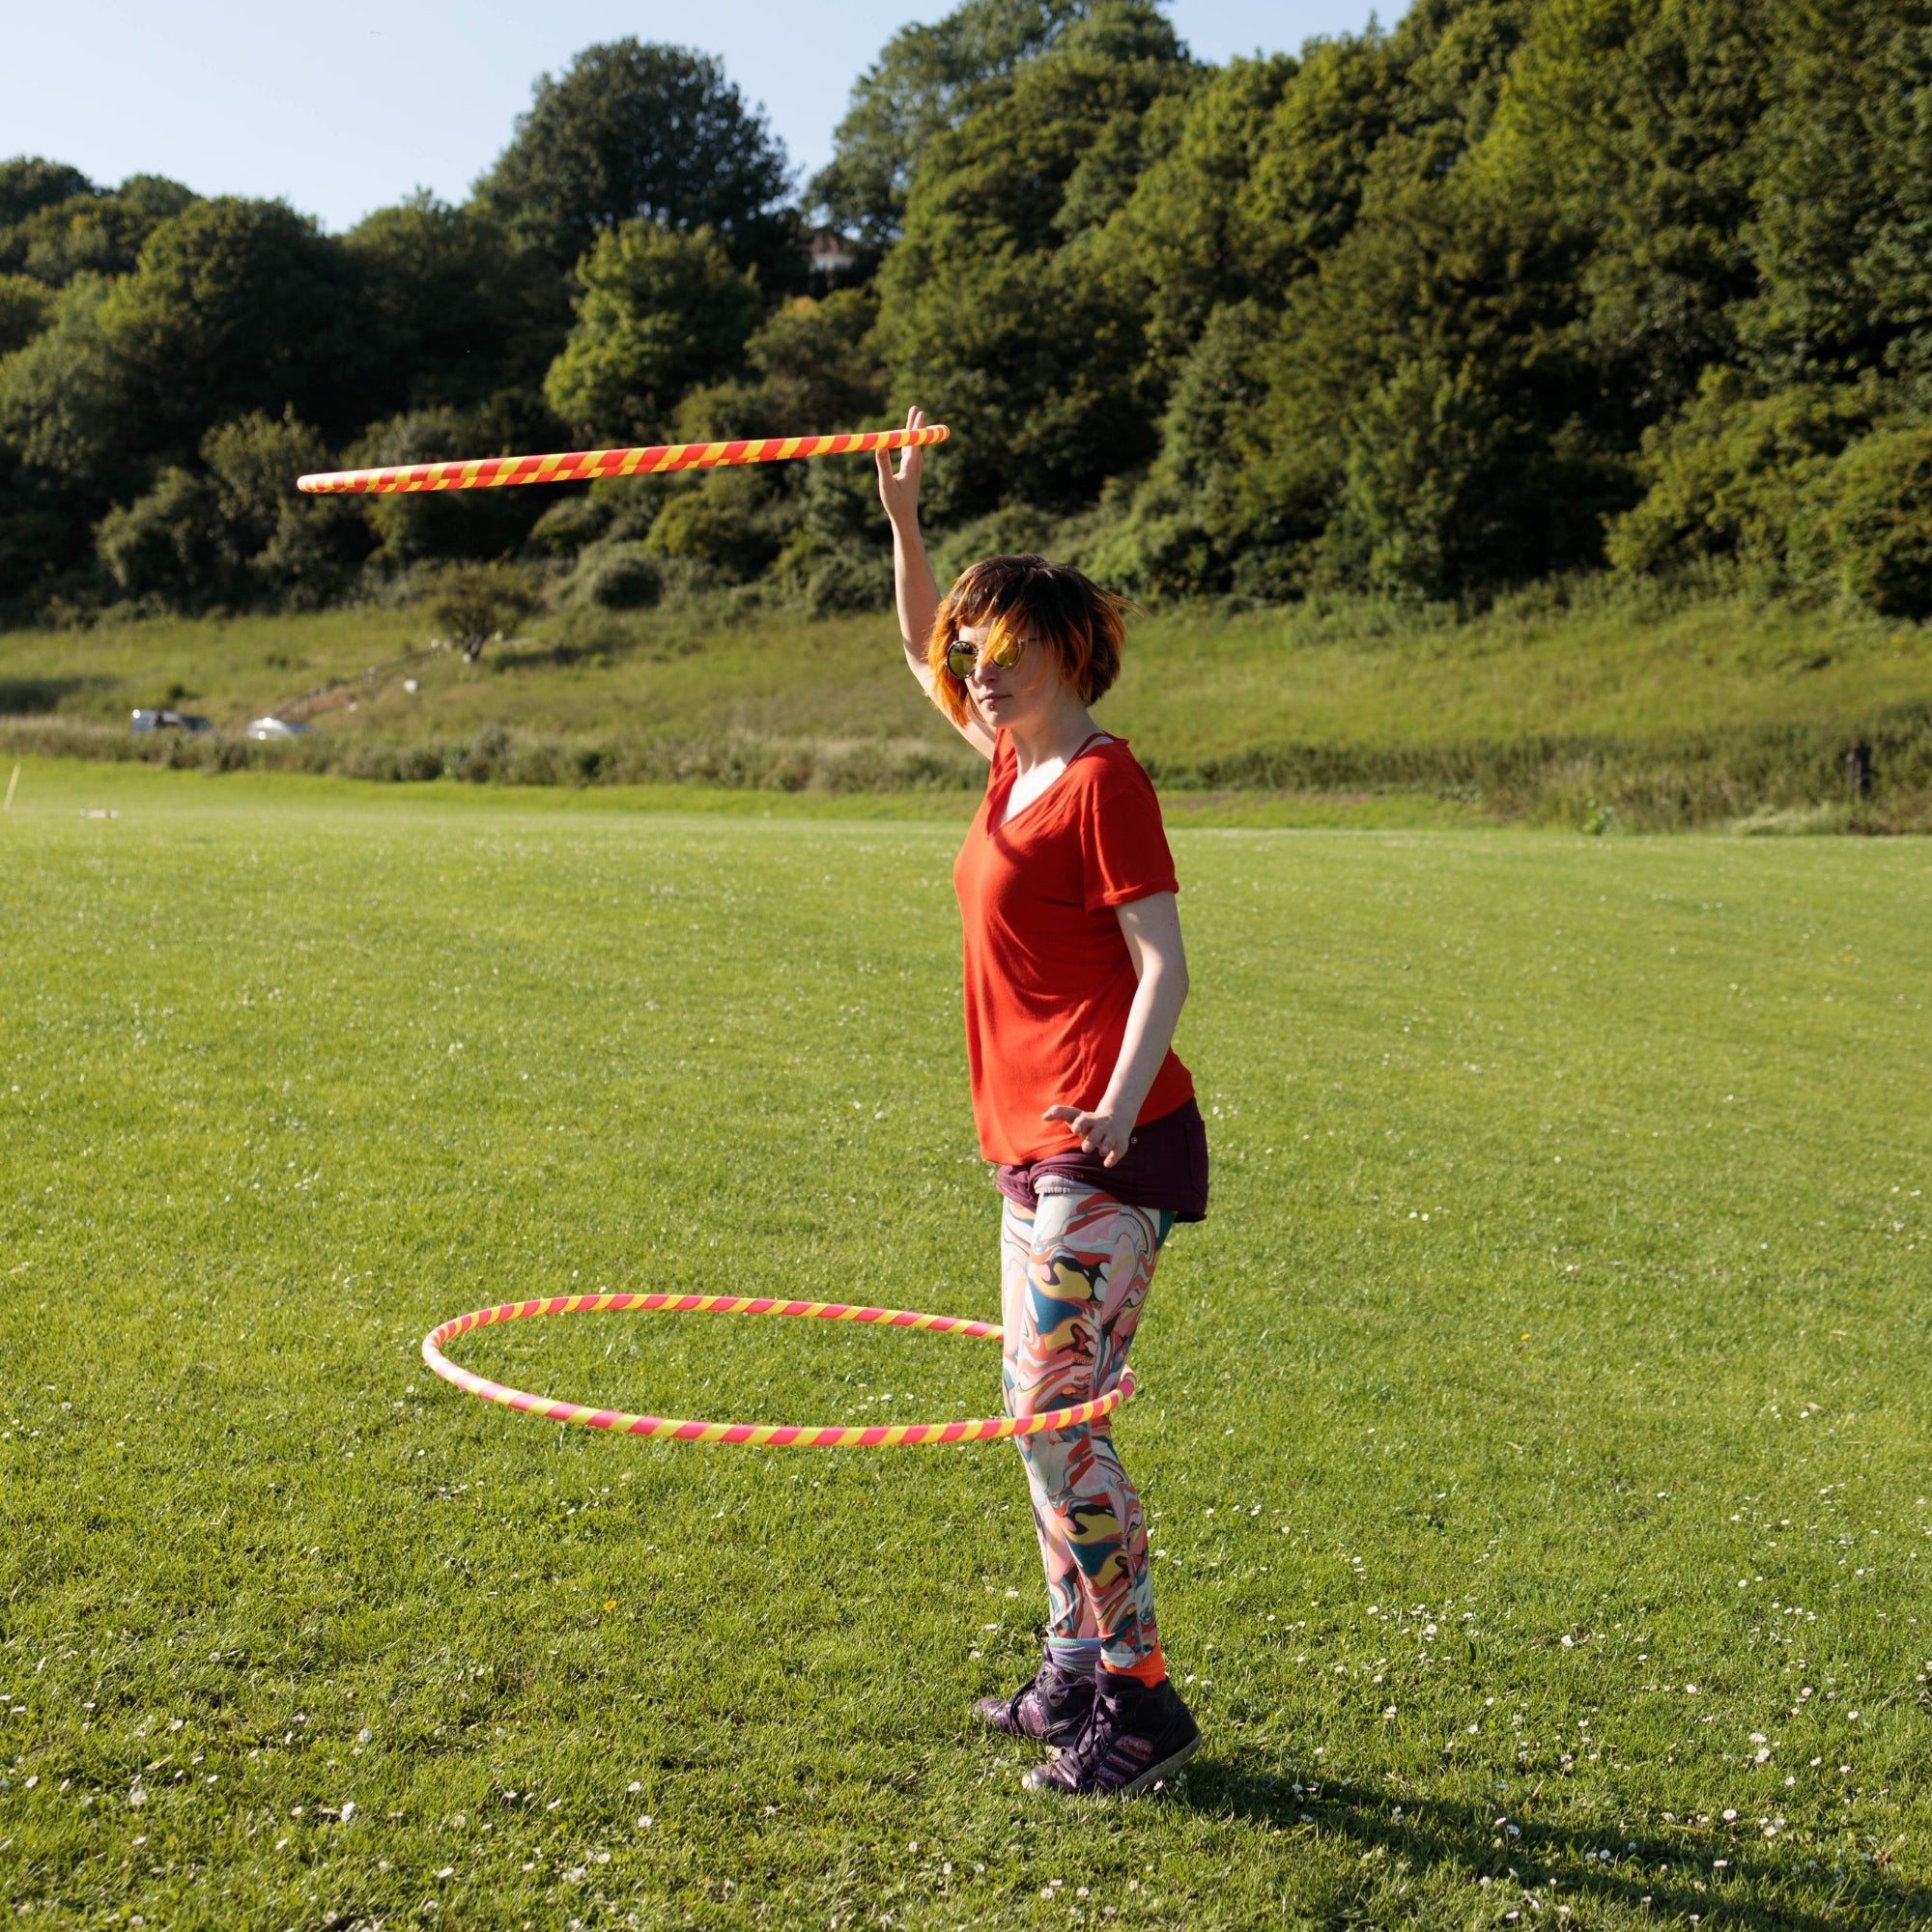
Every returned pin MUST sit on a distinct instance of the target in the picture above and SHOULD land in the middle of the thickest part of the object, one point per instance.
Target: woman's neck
(1056, 733)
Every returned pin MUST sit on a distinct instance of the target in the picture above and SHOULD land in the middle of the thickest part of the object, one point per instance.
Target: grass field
(1659, 713)
(1535, 1432)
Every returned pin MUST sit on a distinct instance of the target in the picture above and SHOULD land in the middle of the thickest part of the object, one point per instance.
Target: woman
(1075, 975)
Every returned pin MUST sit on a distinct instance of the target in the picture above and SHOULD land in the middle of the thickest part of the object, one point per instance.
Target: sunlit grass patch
(1532, 1437)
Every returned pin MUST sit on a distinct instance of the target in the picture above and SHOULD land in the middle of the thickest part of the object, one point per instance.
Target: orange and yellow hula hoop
(577, 465)
(751, 1435)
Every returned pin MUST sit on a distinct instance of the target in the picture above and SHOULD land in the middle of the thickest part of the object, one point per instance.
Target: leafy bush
(1737, 476)
(1880, 520)
(238, 530)
(849, 579)
(731, 522)
(620, 577)
(484, 759)
(412, 526)
(163, 545)
(567, 527)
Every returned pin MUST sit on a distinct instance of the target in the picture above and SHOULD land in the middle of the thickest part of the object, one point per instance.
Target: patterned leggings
(1073, 1279)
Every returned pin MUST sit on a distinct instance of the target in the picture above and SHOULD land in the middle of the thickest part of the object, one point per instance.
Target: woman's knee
(1050, 1454)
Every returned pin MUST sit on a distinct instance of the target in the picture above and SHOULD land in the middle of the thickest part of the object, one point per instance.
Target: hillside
(1618, 701)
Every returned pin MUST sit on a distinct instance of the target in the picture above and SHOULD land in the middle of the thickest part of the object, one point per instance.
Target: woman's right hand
(898, 490)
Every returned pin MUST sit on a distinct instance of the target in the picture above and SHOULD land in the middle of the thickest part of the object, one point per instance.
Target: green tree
(995, 307)
(233, 307)
(661, 312)
(459, 312)
(926, 79)
(62, 399)
(236, 305)
(29, 183)
(811, 365)
(1628, 126)
(235, 531)
(1843, 234)
(1378, 392)
(1184, 243)
(41, 537)
(26, 307)
(475, 602)
(91, 233)
(162, 548)
(414, 527)
(636, 132)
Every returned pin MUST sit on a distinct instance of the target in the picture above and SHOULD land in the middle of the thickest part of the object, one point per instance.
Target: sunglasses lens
(961, 659)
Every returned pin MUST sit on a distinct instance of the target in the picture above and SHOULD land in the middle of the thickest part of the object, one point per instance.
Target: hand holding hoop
(898, 490)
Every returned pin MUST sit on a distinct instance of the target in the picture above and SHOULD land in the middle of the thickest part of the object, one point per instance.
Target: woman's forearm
(916, 591)
(1151, 1023)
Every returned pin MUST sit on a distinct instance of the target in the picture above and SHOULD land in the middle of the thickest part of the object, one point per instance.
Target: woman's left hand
(1100, 1132)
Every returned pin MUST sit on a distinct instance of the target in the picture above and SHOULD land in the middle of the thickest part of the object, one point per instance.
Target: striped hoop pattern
(750, 1435)
(577, 465)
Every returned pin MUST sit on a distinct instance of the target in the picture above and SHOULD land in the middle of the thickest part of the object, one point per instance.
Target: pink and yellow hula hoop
(577, 465)
(750, 1435)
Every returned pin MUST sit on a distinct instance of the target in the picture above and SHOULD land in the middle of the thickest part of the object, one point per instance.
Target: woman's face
(1012, 696)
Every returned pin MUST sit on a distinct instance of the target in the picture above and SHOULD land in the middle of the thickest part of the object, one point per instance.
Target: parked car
(170, 721)
(272, 727)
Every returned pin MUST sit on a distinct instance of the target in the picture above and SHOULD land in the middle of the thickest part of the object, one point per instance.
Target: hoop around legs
(750, 1435)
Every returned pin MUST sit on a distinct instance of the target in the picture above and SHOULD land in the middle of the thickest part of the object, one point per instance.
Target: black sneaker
(1136, 1737)
(1052, 1707)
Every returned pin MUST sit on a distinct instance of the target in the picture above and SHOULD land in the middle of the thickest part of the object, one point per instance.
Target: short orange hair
(1048, 605)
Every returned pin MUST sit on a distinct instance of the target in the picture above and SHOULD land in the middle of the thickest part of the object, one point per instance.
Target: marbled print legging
(1074, 1277)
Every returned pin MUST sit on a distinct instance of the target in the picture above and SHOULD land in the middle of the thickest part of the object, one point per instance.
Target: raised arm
(914, 586)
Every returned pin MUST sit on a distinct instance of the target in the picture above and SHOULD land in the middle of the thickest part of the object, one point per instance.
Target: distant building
(830, 257)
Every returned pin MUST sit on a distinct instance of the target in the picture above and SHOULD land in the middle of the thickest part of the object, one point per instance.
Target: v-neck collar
(1008, 818)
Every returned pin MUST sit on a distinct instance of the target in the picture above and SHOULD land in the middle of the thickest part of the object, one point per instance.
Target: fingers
(1094, 1131)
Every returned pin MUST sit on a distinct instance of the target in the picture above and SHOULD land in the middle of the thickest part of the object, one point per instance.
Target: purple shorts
(1165, 1167)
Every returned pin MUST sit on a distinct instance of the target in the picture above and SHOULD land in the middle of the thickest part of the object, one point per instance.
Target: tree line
(1519, 288)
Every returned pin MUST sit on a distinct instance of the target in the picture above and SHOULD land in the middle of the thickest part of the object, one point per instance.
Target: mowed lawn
(1537, 1431)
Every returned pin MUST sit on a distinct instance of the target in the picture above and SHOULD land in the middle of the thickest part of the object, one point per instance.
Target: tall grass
(1588, 703)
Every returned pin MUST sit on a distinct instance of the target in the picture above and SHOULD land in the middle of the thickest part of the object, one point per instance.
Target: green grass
(291, 1069)
(1661, 713)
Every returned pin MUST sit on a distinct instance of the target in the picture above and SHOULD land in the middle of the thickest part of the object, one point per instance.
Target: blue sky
(346, 107)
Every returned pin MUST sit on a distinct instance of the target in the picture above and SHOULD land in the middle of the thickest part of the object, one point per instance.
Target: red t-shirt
(1049, 980)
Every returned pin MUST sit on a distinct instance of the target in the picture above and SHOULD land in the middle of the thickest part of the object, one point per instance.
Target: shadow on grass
(1555, 1866)
(31, 697)
(560, 654)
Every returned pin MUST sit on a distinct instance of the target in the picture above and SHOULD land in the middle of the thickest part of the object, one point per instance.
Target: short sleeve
(1124, 848)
